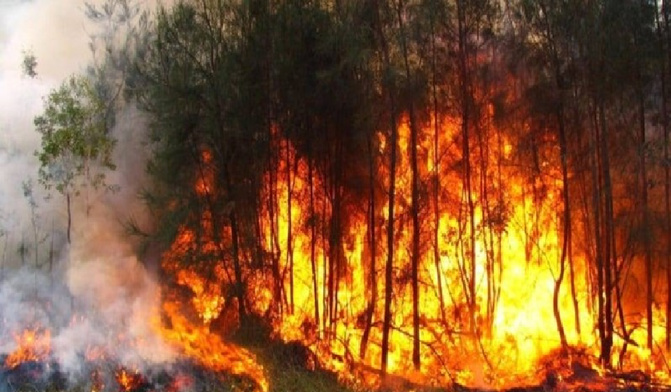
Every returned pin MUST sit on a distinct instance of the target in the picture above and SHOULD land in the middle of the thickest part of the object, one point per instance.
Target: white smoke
(94, 292)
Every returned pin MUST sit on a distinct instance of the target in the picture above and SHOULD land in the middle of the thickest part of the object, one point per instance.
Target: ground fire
(428, 195)
(484, 323)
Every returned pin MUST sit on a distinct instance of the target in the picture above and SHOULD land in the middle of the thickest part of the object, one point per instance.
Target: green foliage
(76, 148)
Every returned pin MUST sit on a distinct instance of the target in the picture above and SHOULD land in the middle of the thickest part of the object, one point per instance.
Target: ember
(129, 381)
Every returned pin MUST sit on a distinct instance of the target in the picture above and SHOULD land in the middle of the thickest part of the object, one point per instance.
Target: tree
(76, 148)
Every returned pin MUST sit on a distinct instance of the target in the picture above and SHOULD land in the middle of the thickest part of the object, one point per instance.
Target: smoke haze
(94, 293)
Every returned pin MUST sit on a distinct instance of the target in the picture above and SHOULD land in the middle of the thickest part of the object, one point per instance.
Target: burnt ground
(102, 376)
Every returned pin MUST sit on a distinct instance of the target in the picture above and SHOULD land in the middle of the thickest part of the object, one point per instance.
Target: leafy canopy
(76, 147)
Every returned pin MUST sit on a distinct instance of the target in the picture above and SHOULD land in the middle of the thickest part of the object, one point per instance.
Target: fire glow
(484, 322)
(31, 345)
(502, 335)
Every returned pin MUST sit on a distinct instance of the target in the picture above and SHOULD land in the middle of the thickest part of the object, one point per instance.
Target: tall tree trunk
(566, 221)
(237, 269)
(273, 208)
(415, 256)
(235, 244)
(645, 220)
(388, 277)
(466, 98)
(69, 207)
(290, 247)
(313, 242)
(666, 49)
(609, 237)
(566, 200)
(372, 245)
(388, 268)
(335, 234)
(598, 238)
(436, 175)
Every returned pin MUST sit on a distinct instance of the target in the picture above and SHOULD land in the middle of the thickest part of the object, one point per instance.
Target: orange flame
(197, 342)
(32, 345)
(508, 286)
(486, 305)
(128, 381)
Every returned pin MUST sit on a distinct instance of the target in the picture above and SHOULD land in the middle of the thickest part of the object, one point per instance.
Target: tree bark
(465, 96)
(414, 208)
(372, 244)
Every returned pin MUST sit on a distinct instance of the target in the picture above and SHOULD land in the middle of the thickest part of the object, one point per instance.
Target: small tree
(76, 146)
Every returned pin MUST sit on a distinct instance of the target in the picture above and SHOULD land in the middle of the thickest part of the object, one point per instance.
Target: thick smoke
(94, 292)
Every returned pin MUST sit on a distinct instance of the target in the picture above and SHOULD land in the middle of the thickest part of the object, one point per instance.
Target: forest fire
(487, 321)
(486, 297)
(129, 381)
(486, 318)
(470, 196)
(204, 359)
(31, 345)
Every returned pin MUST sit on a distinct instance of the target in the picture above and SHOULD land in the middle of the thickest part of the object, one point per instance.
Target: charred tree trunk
(235, 244)
(645, 219)
(566, 221)
(436, 175)
(335, 231)
(598, 239)
(290, 247)
(273, 208)
(388, 268)
(566, 200)
(313, 241)
(388, 277)
(663, 36)
(666, 49)
(372, 244)
(414, 208)
(608, 238)
(465, 97)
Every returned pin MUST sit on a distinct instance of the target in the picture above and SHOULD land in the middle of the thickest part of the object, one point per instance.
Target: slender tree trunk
(436, 176)
(237, 267)
(313, 241)
(645, 221)
(609, 237)
(563, 155)
(466, 157)
(69, 207)
(388, 269)
(415, 256)
(388, 277)
(665, 48)
(372, 244)
(663, 36)
(290, 247)
(274, 235)
(598, 240)
(335, 235)
(566, 221)
(327, 271)
(4, 258)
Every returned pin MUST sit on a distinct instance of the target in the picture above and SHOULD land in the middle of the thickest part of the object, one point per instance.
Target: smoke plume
(94, 292)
